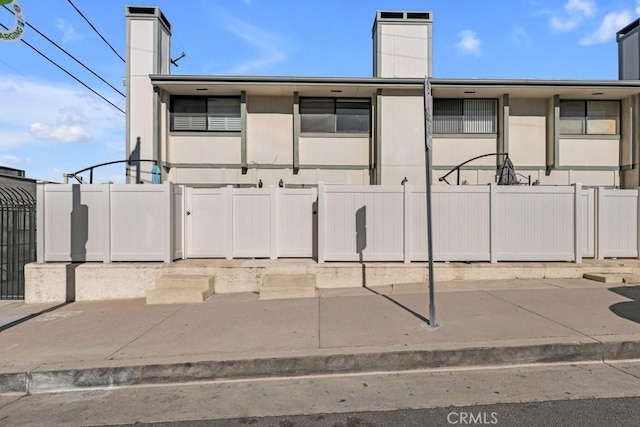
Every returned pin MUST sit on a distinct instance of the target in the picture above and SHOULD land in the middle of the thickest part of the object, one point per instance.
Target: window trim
(206, 99)
(335, 101)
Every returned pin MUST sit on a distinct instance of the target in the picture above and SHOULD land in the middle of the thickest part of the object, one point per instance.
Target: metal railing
(17, 239)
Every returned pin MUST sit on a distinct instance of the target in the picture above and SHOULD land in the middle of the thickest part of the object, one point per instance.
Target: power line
(97, 32)
(67, 72)
(70, 55)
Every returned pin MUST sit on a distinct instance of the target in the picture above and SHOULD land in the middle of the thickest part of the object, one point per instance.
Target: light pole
(428, 142)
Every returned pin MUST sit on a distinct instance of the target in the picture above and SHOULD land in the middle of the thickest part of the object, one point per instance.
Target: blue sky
(50, 124)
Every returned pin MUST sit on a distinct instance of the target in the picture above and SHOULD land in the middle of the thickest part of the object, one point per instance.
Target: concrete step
(631, 280)
(284, 286)
(181, 289)
(604, 277)
(184, 281)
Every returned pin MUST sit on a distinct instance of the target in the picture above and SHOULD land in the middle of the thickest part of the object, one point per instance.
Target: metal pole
(428, 132)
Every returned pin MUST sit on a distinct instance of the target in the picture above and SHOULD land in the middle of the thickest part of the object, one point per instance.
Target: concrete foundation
(61, 282)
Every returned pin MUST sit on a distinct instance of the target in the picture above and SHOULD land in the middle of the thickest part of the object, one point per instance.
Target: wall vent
(418, 15)
(142, 10)
(392, 15)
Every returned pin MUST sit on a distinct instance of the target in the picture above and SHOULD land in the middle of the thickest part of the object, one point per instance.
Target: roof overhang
(368, 86)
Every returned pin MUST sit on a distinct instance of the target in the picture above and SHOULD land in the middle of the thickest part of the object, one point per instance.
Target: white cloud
(611, 23)
(269, 47)
(520, 36)
(28, 106)
(60, 133)
(71, 116)
(69, 33)
(576, 11)
(580, 7)
(469, 43)
(563, 24)
(637, 7)
(6, 159)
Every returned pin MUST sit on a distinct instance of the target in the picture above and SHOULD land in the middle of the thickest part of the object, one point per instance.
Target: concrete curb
(57, 380)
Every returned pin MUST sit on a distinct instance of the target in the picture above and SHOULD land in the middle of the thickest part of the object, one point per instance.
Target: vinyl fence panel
(139, 222)
(461, 223)
(617, 223)
(208, 222)
(252, 222)
(535, 223)
(363, 223)
(74, 222)
(295, 222)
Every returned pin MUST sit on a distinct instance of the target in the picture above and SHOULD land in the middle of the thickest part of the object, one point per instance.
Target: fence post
(167, 238)
(321, 223)
(273, 224)
(40, 231)
(106, 229)
(599, 222)
(577, 222)
(229, 222)
(407, 223)
(638, 222)
(183, 206)
(493, 223)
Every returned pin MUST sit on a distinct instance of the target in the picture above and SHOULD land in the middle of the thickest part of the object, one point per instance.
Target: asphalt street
(587, 394)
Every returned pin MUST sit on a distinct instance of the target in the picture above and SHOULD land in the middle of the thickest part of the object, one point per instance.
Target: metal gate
(17, 240)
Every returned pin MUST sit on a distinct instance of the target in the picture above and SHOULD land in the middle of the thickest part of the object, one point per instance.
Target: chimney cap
(147, 12)
(404, 15)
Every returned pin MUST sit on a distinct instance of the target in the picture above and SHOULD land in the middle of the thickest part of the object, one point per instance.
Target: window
(589, 117)
(460, 116)
(335, 115)
(220, 114)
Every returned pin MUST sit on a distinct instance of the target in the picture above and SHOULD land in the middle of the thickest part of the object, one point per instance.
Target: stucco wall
(270, 129)
(527, 131)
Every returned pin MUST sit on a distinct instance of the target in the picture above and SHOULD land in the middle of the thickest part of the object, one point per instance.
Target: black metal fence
(17, 239)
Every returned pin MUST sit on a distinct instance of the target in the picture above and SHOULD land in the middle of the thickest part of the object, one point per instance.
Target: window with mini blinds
(465, 116)
(589, 117)
(206, 114)
(335, 115)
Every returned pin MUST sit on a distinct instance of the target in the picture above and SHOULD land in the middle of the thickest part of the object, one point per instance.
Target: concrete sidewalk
(481, 323)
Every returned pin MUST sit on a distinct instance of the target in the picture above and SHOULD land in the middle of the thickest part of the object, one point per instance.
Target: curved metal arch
(457, 168)
(19, 196)
(91, 168)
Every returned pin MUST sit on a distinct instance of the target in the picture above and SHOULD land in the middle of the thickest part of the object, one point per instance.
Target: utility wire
(67, 72)
(70, 55)
(97, 32)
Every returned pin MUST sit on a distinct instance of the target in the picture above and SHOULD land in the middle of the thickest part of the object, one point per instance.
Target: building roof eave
(187, 84)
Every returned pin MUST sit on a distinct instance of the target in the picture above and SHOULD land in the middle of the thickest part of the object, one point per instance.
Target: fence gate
(17, 241)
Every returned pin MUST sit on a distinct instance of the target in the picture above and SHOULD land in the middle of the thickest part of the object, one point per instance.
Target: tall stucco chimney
(628, 40)
(402, 44)
(148, 48)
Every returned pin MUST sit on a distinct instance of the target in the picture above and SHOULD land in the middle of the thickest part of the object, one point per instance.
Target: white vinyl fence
(118, 222)
(470, 223)
(109, 222)
(249, 222)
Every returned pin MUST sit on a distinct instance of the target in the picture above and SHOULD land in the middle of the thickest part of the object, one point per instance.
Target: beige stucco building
(210, 130)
